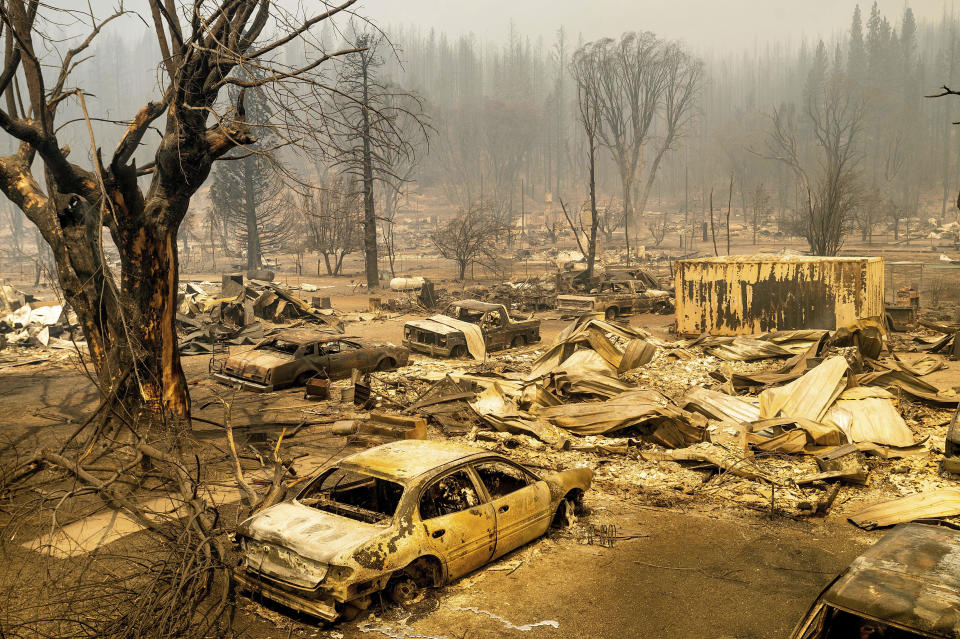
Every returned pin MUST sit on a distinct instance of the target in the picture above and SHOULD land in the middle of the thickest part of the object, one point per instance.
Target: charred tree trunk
(254, 261)
(369, 212)
(594, 218)
(626, 215)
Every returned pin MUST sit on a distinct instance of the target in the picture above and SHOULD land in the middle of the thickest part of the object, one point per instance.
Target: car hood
(433, 327)
(309, 532)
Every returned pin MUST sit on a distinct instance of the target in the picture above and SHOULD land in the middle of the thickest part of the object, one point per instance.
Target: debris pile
(781, 421)
(26, 322)
(243, 313)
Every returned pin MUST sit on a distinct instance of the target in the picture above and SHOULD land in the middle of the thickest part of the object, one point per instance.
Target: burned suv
(470, 326)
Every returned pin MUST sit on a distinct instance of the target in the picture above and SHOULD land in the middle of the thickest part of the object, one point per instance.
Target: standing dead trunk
(369, 211)
(626, 215)
(594, 217)
(729, 204)
(254, 261)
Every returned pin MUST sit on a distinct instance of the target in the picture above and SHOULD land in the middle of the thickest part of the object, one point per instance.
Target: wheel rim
(611, 314)
(405, 591)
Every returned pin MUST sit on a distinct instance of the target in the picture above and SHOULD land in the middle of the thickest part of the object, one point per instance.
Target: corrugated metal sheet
(750, 294)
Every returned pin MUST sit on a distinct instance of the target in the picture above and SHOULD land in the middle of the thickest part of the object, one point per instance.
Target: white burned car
(397, 518)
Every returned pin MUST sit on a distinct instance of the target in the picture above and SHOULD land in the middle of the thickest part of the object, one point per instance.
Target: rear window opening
(280, 346)
(354, 495)
(464, 314)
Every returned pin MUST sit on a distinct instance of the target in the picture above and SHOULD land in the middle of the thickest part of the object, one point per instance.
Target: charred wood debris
(793, 423)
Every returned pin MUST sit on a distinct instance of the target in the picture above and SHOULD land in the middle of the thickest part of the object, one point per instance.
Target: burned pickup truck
(617, 297)
(470, 326)
(293, 357)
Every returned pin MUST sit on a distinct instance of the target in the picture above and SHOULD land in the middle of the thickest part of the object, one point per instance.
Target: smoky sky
(706, 25)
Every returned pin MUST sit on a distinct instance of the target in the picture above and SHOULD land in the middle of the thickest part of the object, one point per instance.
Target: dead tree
(247, 193)
(332, 217)
(683, 80)
(584, 73)
(470, 238)
(378, 128)
(631, 79)
(827, 168)
(129, 326)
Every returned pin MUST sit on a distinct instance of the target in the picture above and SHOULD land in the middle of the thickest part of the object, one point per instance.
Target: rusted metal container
(749, 294)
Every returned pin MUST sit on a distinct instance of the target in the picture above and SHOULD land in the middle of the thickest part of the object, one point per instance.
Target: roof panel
(408, 458)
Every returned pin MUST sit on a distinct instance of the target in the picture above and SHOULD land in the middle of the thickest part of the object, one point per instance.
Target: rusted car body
(433, 336)
(907, 585)
(293, 357)
(617, 297)
(396, 518)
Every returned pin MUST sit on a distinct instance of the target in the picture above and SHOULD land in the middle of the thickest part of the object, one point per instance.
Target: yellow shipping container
(749, 294)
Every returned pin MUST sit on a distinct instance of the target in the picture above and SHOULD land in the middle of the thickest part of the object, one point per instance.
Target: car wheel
(611, 314)
(404, 591)
(386, 364)
(518, 341)
(567, 511)
(303, 377)
(458, 352)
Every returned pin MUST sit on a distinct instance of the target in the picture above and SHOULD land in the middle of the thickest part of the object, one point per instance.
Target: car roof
(305, 336)
(408, 458)
(475, 305)
(911, 577)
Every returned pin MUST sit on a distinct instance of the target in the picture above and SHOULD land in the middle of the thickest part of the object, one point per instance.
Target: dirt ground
(680, 570)
(684, 567)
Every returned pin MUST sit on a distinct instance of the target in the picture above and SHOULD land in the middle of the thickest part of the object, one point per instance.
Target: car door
(493, 330)
(521, 503)
(314, 359)
(336, 360)
(459, 524)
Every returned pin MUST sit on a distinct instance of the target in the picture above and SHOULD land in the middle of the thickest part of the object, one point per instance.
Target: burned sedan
(905, 585)
(293, 357)
(397, 518)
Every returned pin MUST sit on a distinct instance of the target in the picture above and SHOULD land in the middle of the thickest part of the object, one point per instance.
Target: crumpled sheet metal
(932, 504)
(808, 397)
(899, 380)
(672, 426)
(925, 365)
(586, 372)
(503, 415)
(475, 343)
(747, 349)
(868, 414)
(592, 333)
(719, 406)
(794, 436)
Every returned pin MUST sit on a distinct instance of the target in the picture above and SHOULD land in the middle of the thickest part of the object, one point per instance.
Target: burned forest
(359, 318)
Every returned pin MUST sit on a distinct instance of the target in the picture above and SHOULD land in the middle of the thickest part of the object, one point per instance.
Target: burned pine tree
(128, 322)
(375, 127)
(248, 192)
